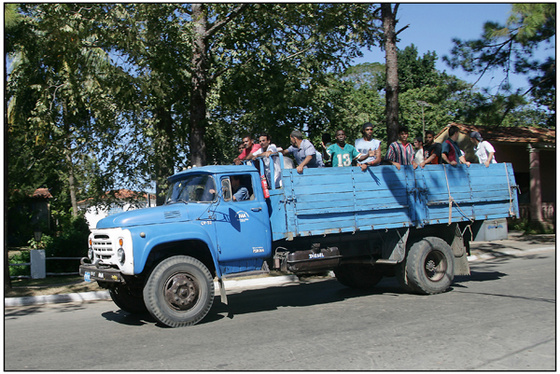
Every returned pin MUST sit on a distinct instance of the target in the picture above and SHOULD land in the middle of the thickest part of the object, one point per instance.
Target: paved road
(500, 318)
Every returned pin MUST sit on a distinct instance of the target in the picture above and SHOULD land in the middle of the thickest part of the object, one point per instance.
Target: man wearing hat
(483, 149)
(367, 145)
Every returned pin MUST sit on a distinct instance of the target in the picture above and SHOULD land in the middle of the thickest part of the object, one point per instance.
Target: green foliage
(511, 48)
(530, 227)
(71, 242)
(19, 257)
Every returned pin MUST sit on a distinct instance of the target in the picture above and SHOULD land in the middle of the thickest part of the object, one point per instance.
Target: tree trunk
(199, 86)
(68, 156)
(392, 84)
(7, 279)
(164, 165)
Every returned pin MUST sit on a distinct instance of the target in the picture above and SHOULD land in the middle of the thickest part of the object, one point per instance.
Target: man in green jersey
(343, 154)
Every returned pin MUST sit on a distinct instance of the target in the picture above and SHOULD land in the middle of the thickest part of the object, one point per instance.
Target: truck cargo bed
(334, 200)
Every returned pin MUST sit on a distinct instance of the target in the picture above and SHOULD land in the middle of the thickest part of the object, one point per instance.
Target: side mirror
(226, 189)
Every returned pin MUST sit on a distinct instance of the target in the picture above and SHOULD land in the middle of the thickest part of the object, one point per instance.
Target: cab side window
(237, 188)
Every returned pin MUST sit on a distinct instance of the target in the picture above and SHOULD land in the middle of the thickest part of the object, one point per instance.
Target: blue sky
(433, 26)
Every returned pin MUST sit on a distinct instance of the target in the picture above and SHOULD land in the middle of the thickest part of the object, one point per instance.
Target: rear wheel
(358, 275)
(179, 291)
(429, 266)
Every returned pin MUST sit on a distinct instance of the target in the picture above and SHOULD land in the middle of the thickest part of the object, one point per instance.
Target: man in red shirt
(250, 148)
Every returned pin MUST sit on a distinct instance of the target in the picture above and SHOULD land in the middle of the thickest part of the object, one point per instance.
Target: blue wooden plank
(347, 199)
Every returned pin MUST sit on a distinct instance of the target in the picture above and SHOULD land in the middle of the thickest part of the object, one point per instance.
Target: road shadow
(126, 318)
(325, 291)
(13, 312)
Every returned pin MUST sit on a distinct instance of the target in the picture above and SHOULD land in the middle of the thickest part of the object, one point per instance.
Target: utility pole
(422, 105)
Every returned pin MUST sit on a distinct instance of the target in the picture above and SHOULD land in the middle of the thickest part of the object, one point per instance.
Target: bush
(19, 257)
(530, 227)
(72, 242)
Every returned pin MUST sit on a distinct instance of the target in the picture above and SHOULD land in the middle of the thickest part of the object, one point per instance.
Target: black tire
(400, 274)
(179, 291)
(128, 300)
(429, 266)
(358, 275)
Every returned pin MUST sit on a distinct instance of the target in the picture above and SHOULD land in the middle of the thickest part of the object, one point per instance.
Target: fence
(38, 264)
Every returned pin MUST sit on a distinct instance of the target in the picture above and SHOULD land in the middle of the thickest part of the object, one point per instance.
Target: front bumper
(92, 272)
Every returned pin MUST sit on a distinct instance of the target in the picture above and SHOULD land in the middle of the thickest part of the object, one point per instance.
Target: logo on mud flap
(242, 216)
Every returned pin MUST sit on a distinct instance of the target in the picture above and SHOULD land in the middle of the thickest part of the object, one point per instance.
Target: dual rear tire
(427, 269)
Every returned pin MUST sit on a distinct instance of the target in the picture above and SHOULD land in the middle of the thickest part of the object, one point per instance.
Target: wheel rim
(435, 266)
(181, 291)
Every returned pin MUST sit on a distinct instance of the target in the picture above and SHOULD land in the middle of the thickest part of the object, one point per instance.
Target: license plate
(87, 276)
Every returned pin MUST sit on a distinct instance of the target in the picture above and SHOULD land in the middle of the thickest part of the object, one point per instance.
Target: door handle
(257, 209)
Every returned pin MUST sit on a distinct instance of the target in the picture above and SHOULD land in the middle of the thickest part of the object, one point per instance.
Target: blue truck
(413, 224)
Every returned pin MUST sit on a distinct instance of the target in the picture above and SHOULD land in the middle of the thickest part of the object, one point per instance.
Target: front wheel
(429, 266)
(179, 291)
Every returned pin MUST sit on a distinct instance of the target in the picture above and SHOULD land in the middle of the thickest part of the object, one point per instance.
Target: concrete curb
(104, 295)
(229, 284)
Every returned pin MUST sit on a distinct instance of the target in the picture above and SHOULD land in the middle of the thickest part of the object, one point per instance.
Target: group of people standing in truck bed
(365, 152)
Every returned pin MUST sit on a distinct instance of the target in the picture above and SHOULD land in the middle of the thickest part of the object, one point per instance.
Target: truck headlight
(90, 253)
(120, 255)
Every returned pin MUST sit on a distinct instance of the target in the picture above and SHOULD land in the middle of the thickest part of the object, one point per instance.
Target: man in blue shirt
(240, 192)
(303, 151)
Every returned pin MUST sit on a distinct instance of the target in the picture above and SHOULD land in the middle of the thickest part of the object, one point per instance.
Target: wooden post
(535, 184)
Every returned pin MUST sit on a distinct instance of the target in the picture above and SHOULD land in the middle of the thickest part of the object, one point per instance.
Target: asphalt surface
(516, 245)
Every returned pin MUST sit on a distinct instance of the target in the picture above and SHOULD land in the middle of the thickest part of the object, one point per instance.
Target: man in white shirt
(268, 151)
(483, 150)
(368, 146)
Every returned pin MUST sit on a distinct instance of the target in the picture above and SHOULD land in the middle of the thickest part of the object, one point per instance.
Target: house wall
(94, 215)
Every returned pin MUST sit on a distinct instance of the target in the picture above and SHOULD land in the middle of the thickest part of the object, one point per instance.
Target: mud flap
(460, 253)
(222, 291)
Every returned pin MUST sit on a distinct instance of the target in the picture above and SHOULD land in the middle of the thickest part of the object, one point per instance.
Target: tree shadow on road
(297, 295)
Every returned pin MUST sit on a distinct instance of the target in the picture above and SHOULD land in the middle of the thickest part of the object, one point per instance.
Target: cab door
(242, 227)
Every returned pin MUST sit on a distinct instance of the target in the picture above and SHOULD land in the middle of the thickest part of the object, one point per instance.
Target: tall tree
(511, 48)
(389, 19)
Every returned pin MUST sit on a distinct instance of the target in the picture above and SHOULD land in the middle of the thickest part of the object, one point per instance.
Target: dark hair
(430, 132)
(366, 125)
(403, 129)
(267, 136)
(247, 136)
(452, 130)
(419, 140)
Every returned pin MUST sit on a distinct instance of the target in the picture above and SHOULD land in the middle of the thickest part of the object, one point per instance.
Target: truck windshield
(193, 188)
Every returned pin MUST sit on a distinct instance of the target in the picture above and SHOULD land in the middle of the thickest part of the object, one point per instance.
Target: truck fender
(151, 237)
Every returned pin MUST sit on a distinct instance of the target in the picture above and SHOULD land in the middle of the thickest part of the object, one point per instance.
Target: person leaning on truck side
(432, 150)
(267, 150)
(367, 145)
(249, 148)
(418, 150)
(401, 152)
(450, 151)
(343, 154)
(303, 151)
(483, 150)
